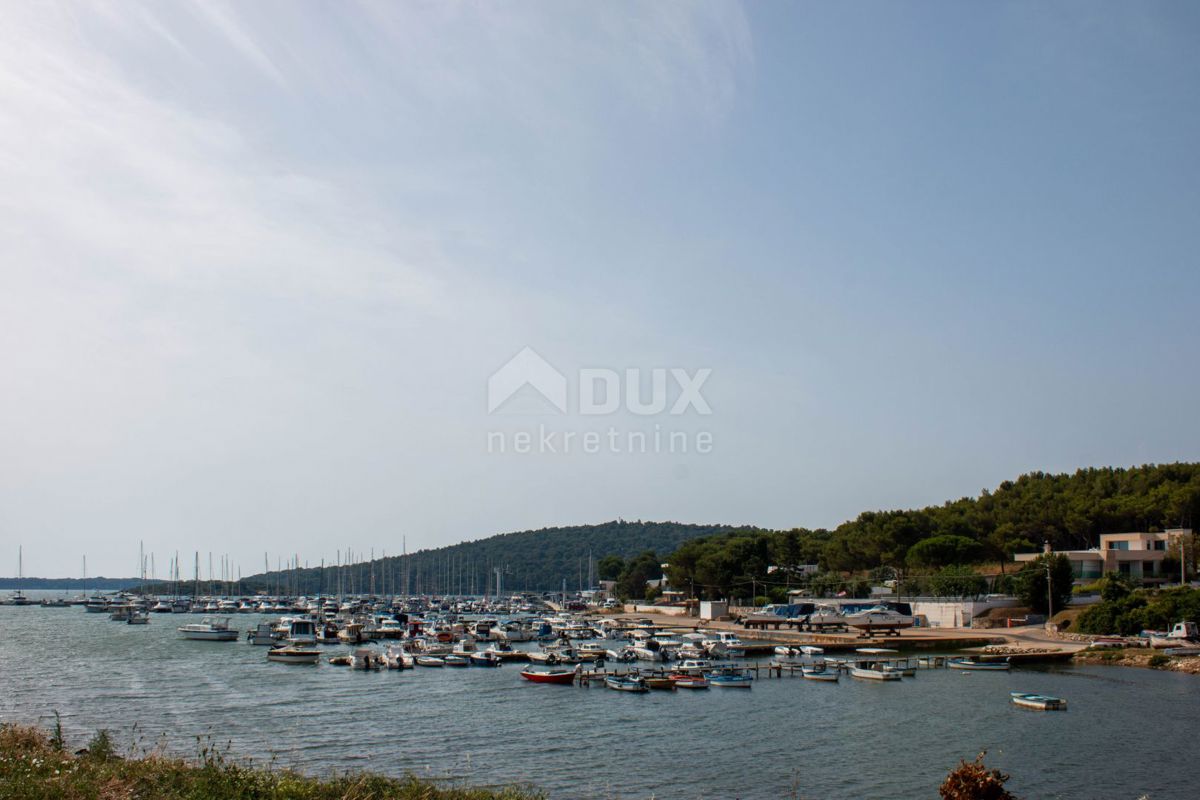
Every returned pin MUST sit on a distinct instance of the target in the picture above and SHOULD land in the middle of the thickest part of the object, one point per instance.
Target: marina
(180, 688)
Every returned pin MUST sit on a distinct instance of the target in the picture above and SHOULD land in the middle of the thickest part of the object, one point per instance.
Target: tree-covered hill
(1068, 510)
(530, 560)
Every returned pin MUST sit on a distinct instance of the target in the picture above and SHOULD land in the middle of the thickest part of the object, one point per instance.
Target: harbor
(97, 672)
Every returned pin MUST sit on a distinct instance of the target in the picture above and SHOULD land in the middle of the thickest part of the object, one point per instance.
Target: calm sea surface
(1128, 732)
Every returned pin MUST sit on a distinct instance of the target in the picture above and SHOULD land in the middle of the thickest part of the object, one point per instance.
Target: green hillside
(534, 560)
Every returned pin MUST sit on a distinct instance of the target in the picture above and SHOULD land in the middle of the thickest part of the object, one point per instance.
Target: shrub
(1158, 660)
(974, 781)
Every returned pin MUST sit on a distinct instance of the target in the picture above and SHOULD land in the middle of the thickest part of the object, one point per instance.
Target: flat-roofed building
(1135, 555)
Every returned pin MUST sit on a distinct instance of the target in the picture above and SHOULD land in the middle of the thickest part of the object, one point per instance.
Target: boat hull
(561, 678)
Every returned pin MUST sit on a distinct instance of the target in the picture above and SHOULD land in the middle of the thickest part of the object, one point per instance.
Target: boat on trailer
(1040, 702)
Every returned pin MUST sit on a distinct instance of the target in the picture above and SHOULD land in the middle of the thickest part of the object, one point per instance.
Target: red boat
(566, 678)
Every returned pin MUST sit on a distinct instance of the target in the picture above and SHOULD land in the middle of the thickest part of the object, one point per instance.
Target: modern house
(1135, 555)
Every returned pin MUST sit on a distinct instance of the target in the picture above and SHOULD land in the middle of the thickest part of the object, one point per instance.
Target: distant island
(70, 584)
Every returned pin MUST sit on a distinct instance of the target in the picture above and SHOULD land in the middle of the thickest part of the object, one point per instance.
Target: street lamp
(1049, 596)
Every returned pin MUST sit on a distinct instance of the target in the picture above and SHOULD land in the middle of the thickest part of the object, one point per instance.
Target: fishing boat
(209, 629)
(874, 671)
(687, 681)
(626, 683)
(565, 677)
(970, 663)
(665, 683)
(455, 660)
(1040, 702)
(263, 635)
(429, 661)
(294, 655)
(819, 674)
(484, 658)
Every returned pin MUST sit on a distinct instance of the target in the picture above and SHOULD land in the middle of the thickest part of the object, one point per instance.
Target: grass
(35, 765)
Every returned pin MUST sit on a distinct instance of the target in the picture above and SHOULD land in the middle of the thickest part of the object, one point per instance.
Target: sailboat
(17, 598)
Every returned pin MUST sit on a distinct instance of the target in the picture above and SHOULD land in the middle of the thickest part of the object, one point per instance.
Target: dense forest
(534, 560)
(64, 584)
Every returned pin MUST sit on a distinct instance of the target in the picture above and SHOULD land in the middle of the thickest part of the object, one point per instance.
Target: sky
(260, 261)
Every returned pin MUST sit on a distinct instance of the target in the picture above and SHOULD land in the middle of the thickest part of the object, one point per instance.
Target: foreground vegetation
(37, 766)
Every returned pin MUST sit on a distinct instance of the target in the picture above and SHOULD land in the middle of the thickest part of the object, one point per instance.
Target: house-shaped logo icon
(527, 368)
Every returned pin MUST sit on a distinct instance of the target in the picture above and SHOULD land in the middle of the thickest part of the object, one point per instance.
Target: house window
(1160, 545)
(1123, 568)
(1118, 545)
(1148, 567)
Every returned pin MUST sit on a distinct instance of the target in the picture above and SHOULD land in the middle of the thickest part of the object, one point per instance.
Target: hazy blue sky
(258, 261)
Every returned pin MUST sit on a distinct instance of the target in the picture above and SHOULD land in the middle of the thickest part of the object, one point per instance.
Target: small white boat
(1040, 702)
(430, 661)
(294, 655)
(138, 618)
(874, 671)
(398, 658)
(627, 683)
(455, 660)
(970, 663)
(819, 674)
(1183, 634)
(209, 629)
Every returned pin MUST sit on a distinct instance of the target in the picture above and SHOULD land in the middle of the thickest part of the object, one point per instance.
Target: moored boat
(429, 661)
(626, 683)
(455, 660)
(684, 681)
(209, 629)
(1040, 702)
(294, 655)
(819, 674)
(874, 671)
(970, 663)
(565, 677)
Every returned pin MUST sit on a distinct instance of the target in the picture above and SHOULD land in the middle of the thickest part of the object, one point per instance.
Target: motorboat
(57, 602)
(970, 663)
(564, 677)
(730, 681)
(656, 682)
(824, 617)
(161, 607)
(209, 629)
(1040, 702)
(96, 605)
(138, 617)
(294, 655)
(430, 661)
(455, 660)
(366, 658)
(875, 671)
(879, 618)
(398, 658)
(301, 631)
